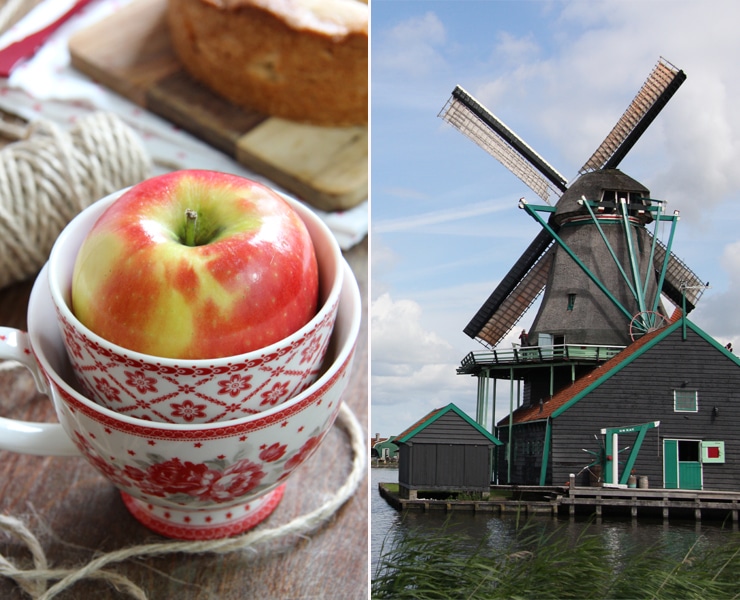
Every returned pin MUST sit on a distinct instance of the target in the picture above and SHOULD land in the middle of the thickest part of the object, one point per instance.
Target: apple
(196, 264)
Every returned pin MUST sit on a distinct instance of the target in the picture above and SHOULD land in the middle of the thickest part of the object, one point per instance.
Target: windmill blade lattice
(658, 88)
(466, 114)
(679, 280)
(517, 291)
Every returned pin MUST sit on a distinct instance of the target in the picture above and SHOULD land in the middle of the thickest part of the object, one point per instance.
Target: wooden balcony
(474, 362)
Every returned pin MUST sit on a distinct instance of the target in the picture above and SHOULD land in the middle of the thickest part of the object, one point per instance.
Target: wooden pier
(686, 504)
(597, 501)
(544, 506)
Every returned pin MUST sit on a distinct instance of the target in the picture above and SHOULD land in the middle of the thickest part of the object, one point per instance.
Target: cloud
(424, 220)
(688, 154)
(413, 368)
(383, 260)
(717, 314)
(399, 342)
(406, 193)
(400, 401)
(515, 50)
(412, 46)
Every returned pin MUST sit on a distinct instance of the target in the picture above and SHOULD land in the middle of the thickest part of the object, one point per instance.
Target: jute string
(50, 174)
(35, 581)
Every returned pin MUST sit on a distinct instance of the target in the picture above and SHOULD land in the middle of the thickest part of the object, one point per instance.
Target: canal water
(623, 537)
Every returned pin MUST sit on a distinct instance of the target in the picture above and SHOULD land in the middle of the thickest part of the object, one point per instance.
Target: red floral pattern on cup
(188, 411)
(272, 452)
(195, 394)
(142, 382)
(213, 480)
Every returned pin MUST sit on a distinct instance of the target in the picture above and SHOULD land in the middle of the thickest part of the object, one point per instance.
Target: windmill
(603, 271)
(601, 267)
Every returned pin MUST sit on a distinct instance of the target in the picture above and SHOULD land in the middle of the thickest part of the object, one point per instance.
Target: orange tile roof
(418, 423)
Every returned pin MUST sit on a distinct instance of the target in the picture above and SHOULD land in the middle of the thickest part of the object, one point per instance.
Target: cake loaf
(302, 60)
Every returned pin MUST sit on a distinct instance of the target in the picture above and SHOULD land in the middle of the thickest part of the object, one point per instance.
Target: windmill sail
(659, 87)
(515, 294)
(679, 280)
(466, 114)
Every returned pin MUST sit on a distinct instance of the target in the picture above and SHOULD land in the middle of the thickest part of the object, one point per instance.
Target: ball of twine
(51, 175)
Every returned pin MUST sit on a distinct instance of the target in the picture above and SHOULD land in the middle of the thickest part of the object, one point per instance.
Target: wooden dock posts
(544, 505)
(597, 501)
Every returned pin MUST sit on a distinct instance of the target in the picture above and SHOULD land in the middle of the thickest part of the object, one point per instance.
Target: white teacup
(194, 391)
(196, 481)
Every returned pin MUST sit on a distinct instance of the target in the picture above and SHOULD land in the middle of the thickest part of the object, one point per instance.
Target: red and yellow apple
(194, 265)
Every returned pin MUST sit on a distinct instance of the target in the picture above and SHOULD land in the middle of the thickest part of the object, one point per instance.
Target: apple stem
(191, 217)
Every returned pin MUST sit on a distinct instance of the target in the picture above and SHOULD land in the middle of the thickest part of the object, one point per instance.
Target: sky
(445, 226)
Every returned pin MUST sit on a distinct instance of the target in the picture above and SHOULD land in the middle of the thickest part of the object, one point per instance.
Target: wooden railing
(535, 354)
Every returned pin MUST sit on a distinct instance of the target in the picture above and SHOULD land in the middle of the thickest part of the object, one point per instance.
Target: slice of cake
(303, 60)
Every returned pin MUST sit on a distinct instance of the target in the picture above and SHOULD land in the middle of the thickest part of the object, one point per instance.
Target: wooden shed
(666, 408)
(445, 451)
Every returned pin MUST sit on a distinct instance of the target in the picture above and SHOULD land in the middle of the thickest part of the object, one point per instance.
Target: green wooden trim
(666, 259)
(622, 364)
(609, 451)
(670, 463)
(641, 431)
(546, 451)
(708, 338)
(532, 211)
(588, 204)
(509, 442)
(450, 407)
(633, 455)
(634, 267)
(683, 322)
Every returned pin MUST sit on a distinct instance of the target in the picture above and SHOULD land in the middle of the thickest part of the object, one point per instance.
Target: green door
(689, 475)
(681, 464)
(670, 464)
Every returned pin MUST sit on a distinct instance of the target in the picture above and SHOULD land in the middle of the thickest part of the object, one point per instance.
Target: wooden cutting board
(129, 52)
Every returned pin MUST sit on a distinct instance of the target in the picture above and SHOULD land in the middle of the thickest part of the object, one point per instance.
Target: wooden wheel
(645, 322)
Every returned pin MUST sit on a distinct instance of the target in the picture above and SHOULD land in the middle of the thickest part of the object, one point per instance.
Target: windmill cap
(592, 187)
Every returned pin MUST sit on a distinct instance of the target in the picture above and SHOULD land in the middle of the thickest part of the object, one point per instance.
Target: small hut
(445, 451)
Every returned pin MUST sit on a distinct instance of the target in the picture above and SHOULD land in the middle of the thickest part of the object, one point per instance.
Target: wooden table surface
(77, 514)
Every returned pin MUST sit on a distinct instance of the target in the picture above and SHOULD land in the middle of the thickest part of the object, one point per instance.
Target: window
(612, 199)
(688, 451)
(713, 452)
(685, 401)
(571, 301)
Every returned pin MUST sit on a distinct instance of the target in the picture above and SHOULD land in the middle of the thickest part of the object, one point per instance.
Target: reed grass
(550, 566)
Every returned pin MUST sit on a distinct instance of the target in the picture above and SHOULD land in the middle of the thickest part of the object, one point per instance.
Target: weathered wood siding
(642, 392)
(450, 428)
(447, 454)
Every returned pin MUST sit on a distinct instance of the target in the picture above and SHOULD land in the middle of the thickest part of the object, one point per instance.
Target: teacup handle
(26, 437)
